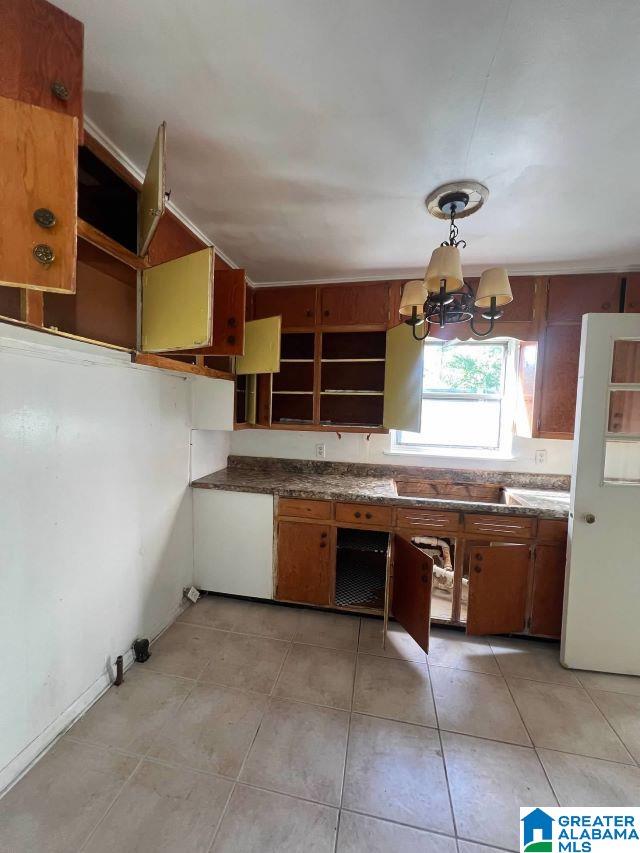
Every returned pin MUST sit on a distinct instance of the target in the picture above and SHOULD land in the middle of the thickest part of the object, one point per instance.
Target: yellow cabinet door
(152, 195)
(38, 188)
(261, 347)
(177, 299)
(403, 380)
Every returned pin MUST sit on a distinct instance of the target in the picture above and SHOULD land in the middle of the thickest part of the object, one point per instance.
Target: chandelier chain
(453, 232)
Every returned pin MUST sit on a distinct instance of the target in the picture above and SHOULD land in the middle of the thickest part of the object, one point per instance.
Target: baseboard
(42, 743)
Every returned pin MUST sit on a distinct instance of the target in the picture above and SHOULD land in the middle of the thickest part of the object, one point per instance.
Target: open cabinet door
(177, 299)
(498, 576)
(403, 380)
(152, 196)
(412, 581)
(261, 347)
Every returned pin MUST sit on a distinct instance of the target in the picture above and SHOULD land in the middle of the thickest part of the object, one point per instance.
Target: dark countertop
(529, 494)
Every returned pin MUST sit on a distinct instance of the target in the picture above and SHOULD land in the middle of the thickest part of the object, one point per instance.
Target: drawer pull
(323, 544)
(44, 254)
(60, 90)
(477, 569)
(357, 514)
(367, 515)
(323, 535)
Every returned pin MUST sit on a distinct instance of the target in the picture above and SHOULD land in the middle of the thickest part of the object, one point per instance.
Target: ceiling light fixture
(443, 297)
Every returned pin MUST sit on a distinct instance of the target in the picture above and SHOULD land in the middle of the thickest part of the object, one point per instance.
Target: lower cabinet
(305, 563)
(498, 581)
(233, 542)
(548, 589)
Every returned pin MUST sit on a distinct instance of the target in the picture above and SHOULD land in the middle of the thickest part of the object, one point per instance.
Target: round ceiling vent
(462, 197)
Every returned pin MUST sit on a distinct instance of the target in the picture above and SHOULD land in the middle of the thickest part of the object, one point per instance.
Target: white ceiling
(303, 135)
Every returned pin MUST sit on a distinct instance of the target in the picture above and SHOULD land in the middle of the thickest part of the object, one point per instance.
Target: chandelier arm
(492, 320)
(413, 322)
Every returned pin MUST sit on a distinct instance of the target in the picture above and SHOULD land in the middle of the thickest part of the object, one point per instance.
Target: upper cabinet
(41, 57)
(261, 347)
(152, 195)
(296, 305)
(571, 296)
(632, 294)
(354, 304)
(38, 178)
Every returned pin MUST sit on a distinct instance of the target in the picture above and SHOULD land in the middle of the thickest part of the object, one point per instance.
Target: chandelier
(443, 297)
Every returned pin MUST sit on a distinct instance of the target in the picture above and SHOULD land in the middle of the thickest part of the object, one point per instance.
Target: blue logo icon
(537, 832)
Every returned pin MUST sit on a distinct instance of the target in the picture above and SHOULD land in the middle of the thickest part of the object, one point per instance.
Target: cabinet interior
(103, 307)
(107, 201)
(352, 378)
(361, 564)
(293, 387)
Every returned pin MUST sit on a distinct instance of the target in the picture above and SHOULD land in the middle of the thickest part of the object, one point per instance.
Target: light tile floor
(263, 728)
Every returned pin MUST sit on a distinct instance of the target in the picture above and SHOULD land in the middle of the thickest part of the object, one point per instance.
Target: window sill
(452, 453)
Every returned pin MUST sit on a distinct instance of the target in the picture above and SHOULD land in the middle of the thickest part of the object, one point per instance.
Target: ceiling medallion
(443, 297)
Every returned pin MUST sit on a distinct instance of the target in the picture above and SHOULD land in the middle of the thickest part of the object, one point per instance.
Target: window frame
(506, 400)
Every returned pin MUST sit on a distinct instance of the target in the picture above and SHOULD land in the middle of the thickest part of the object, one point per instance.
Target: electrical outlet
(321, 451)
(541, 457)
(192, 593)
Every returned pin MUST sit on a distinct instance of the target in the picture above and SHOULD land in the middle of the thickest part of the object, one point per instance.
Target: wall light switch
(541, 457)
(321, 451)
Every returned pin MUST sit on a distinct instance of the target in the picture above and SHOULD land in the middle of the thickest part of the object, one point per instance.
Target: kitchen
(388, 441)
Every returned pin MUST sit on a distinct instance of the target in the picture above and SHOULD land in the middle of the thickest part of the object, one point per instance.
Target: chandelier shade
(494, 284)
(414, 295)
(445, 266)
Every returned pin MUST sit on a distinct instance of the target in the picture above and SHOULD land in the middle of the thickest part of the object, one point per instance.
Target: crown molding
(137, 173)
(470, 270)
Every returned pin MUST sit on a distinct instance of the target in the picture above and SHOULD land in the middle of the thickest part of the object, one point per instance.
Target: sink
(450, 491)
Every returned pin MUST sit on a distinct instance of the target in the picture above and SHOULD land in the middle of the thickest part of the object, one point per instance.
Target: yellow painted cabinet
(403, 380)
(261, 347)
(177, 303)
(38, 183)
(152, 195)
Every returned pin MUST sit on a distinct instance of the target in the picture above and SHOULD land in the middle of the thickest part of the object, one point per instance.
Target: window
(470, 396)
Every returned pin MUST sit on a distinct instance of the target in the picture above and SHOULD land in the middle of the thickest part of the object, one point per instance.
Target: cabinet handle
(231, 339)
(59, 90)
(323, 535)
(357, 514)
(477, 569)
(44, 217)
(44, 254)
(425, 578)
(326, 313)
(367, 515)
(589, 517)
(309, 312)
(323, 544)
(231, 322)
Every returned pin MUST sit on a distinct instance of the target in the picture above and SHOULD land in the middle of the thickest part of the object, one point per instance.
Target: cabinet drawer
(552, 530)
(501, 525)
(429, 518)
(364, 514)
(304, 509)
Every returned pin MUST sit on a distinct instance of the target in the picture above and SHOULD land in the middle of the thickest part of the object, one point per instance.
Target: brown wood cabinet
(296, 305)
(304, 562)
(548, 589)
(498, 575)
(41, 57)
(508, 576)
(359, 304)
(571, 296)
(632, 295)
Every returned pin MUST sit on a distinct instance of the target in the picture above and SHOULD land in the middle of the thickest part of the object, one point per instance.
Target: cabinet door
(403, 380)
(296, 305)
(41, 56)
(38, 175)
(571, 296)
(152, 195)
(304, 562)
(354, 304)
(632, 295)
(412, 582)
(177, 299)
(548, 590)
(559, 381)
(261, 347)
(498, 575)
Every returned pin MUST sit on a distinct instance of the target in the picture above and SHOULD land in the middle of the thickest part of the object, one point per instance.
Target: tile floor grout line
(346, 751)
(606, 719)
(93, 831)
(437, 832)
(444, 760)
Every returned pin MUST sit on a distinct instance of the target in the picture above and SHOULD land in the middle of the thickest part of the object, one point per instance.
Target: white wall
(96, 524)
(352, 447)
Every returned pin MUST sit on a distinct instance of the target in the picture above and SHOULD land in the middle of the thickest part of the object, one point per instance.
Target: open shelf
(297, 346)
(361, 566)
(291, 407)
(352, 409)
(106, 201)
(353, 346)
